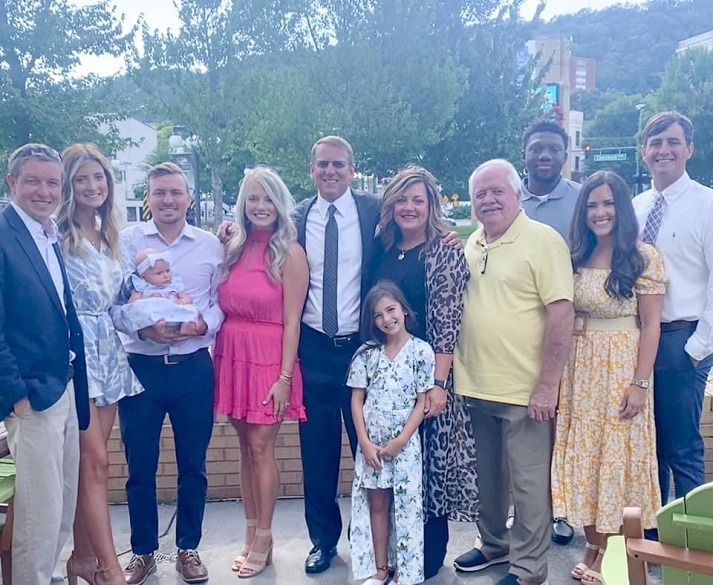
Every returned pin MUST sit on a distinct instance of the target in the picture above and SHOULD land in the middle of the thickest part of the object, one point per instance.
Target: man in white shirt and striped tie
(676, 216)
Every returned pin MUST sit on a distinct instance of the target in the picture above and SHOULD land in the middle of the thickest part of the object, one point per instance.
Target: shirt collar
(342, 203)
(510, 235)
(48, 230)
(556, 193)
(149, 228)
(675, 189)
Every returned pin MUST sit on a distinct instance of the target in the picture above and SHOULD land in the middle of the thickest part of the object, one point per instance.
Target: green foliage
(687, 86)
(461, 212)
(40, 42)
(632, 44)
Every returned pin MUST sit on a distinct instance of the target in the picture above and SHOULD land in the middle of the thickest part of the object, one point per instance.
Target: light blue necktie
(653, 221)
(330, 321)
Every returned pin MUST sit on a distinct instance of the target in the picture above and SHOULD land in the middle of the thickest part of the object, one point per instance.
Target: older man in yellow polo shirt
(514, 341)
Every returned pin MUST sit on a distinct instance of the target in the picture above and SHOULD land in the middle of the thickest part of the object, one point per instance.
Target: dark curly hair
(627, 262)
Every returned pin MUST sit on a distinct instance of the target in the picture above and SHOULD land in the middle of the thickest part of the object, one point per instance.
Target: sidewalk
(222, 540)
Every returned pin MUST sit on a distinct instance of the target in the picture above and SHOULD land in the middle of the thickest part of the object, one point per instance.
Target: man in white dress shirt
(676, 215)
(336, 227)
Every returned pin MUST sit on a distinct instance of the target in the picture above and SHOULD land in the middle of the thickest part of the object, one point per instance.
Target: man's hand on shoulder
(453, 240)
(225, 231)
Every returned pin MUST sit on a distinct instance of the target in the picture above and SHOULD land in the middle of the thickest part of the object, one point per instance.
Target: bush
(461, 212)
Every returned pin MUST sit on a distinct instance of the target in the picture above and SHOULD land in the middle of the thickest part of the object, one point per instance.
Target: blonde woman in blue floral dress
(605, 449)
(98, 268)
(389, 377)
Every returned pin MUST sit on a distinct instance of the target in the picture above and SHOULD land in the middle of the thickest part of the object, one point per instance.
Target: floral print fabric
(98, 282)
(601, 462)
(391, 388)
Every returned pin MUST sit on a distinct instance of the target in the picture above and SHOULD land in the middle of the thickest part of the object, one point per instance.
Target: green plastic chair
(684, 550)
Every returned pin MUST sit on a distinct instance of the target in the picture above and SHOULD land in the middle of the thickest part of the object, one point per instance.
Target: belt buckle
(341, 341)
(167, 360)
(580, 322)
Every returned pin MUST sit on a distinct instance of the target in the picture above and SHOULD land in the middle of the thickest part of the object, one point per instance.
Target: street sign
(610, 157)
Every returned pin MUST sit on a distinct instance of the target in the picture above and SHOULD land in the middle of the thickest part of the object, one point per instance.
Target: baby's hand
(391, 449)
(184, 299)
(371, 455)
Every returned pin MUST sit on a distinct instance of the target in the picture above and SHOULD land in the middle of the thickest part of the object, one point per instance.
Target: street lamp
(184, 152)
(640, 175)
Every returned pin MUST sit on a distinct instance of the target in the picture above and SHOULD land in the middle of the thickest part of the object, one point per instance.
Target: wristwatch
(645, 384)
(441, 383)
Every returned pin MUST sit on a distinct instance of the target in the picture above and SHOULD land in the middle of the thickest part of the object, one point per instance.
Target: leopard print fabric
(449, 472)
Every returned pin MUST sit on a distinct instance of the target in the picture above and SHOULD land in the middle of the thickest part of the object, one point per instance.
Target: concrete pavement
(222, 540)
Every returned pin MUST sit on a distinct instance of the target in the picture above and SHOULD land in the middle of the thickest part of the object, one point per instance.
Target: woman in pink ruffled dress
(258, 380)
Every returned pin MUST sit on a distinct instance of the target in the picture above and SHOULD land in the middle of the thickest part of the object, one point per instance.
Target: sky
(162, 14)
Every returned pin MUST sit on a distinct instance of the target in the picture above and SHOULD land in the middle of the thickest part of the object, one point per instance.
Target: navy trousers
(678, 401)
(327, 401)
(184, 391)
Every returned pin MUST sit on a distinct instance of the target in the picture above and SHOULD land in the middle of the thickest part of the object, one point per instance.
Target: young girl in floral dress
(388, 376)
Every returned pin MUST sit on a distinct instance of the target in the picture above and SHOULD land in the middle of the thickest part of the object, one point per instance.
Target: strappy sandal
(581, 568)
(592, 577)
(243, 556)
(257, 562)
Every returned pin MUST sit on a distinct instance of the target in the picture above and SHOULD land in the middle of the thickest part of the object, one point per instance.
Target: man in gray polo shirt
(547, 196)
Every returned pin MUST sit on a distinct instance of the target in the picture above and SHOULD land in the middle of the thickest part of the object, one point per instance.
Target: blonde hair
(335, 142)
(389, 231)
(284, 232)
(73, 157)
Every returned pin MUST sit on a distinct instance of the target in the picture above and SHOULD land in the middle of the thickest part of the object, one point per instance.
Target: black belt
(338, 341)
(676, 325)
(169, 359)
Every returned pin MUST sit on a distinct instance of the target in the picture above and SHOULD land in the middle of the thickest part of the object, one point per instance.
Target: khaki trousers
(45, 447)
(513, 452)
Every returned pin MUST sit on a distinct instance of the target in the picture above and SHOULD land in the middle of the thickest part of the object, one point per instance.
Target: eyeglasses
(484, 259)
(37, 150)
(337, 164)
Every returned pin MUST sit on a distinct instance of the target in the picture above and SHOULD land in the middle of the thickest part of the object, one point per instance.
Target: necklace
(402, 254)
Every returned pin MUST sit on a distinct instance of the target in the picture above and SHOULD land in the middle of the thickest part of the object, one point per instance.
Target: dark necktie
(330, 321)
(653, 221)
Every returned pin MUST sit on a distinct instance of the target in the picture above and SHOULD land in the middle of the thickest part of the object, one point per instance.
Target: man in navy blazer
(43, 384)
(336, 227)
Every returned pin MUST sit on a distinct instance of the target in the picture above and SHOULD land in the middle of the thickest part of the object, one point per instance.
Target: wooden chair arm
(673, 556)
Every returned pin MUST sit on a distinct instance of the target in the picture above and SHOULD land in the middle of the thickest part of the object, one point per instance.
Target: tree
(687, 86)
(199, 78)
(40, 42)
(616, 126)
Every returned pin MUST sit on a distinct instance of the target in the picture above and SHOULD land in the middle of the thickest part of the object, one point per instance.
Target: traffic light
(587, 150)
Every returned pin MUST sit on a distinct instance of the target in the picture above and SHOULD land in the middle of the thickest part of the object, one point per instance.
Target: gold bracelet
(286, 380)
(285, 374)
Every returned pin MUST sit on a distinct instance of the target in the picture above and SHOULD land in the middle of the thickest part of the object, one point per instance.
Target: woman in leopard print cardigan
(433, 276)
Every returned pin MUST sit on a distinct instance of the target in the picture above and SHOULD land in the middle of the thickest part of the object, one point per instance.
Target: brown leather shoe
(139, 569)
(190, 566)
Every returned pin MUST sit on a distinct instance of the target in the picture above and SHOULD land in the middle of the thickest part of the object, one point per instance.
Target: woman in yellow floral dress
(605, 450)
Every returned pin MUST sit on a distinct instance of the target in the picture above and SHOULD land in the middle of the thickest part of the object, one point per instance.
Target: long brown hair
(73, 158)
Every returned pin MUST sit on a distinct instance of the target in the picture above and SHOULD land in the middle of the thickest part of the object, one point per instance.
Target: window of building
(577, 138)
(131, 214)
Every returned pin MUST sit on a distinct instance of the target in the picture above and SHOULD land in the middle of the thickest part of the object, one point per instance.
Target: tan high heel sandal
(85, 571)
(257, 562)
(581, 568)
(243, 556)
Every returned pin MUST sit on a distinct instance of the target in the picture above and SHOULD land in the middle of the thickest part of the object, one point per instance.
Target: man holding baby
(173, 364)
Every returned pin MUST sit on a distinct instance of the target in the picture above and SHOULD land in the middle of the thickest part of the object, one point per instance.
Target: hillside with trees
(632, 44)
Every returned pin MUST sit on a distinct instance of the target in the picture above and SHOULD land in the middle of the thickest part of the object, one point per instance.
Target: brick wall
(223, 464)
(224, 458)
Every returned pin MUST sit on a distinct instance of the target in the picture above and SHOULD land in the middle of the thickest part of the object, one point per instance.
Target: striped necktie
(653, 221)
(330, 321)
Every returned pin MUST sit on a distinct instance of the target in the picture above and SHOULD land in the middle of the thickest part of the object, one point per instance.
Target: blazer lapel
(28, 246)
(302, 224)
